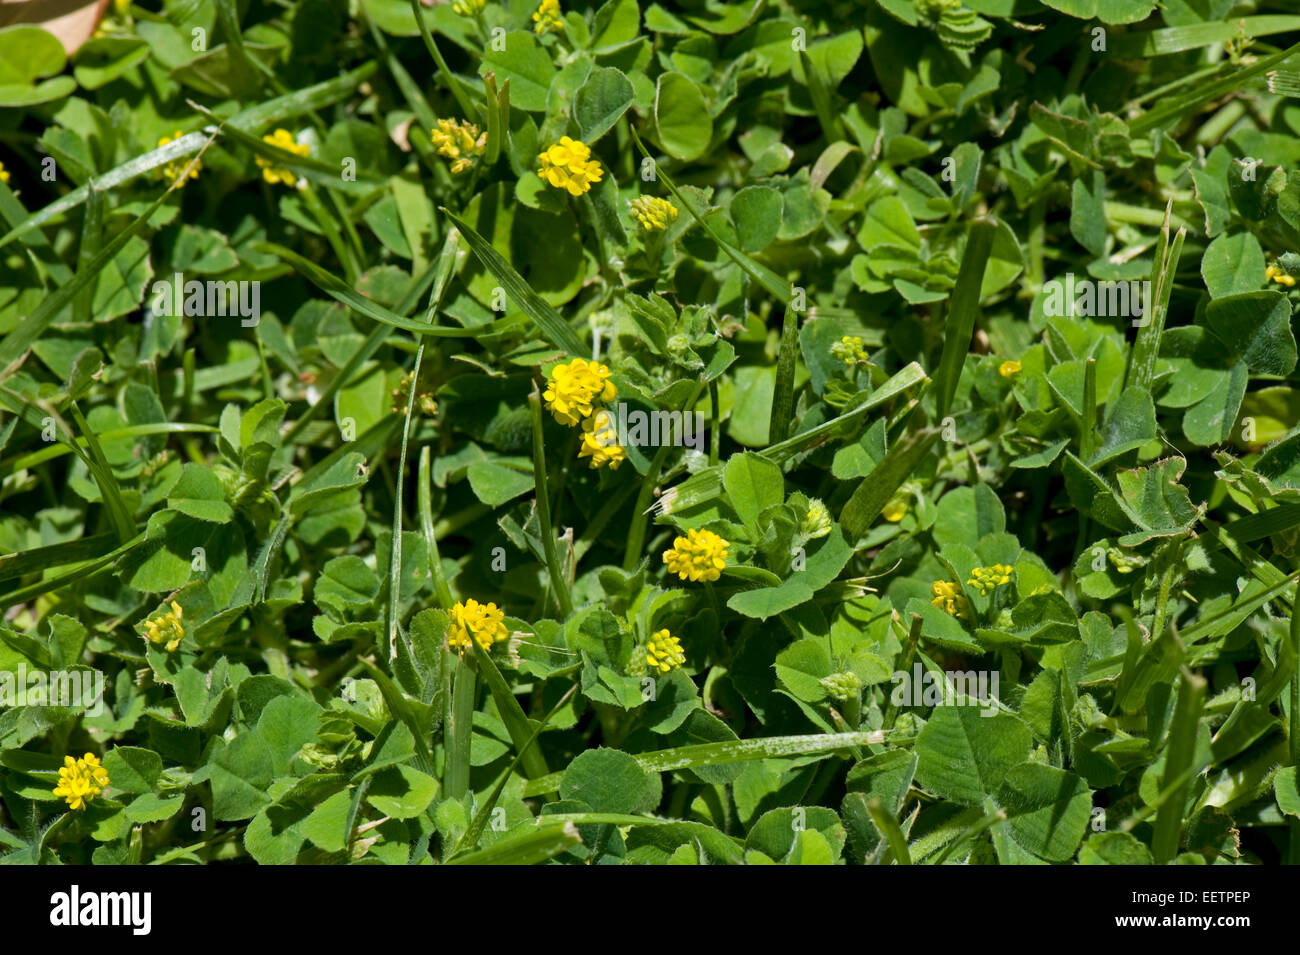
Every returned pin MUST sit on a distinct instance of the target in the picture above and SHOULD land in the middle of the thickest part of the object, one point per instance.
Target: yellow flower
(817, 521)
(483, 622)
(652, 212)
(600, 441)
(573, 387)
(568, 165)
(166, 629)
(988, 579)
(663, 652)
(949, 598)
(81, 780)
(176, 168)
(460, 142)
(896, 508)
(272, 173)
(700, 555)
(850, 350)
(1279, 275)
(1009, 368)
(468, 8)
(547, 17)
(4, 173)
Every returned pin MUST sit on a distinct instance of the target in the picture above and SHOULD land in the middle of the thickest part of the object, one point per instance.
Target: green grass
(942, 564)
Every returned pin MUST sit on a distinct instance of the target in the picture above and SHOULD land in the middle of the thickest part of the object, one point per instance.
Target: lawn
(778, 431)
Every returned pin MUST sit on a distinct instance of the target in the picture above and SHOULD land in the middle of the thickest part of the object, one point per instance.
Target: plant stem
(636, 535)
(715, 434)
(460, 729)
(558, 584)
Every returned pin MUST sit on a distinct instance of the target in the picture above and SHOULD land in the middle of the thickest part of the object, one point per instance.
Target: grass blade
(446, 262)
(783, 391)
(281, 108)
(887, 825)
(871, 496)
(775, 285)
(962, 309)
(1142, 359)
(335, 287)
(425, 495)
(1175, 109)
(1178, 760)
(459, 729)
(448, 77)
(732, 751)
(559, 586)
(32, 327)
(527, 848)
(555, 328)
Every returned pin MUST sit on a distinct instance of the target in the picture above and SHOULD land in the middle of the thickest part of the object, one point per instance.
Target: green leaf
(964, 754)
(753, 484)
(1047, 809)
(609, 780)
(1256, 326)
(401, 792)
(756, 213)
(600, 101)
(682, 120)
(494, 484)
(823, 563)
(132, 769)
(1107, 11)
(527, 66)
(1129, 424)
(28, 53)
(199, 493)
(1233, 264)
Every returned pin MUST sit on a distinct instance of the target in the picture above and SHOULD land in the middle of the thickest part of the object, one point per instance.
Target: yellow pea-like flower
(81, 780)
(282, 139)
(699, 556)
(471, 620)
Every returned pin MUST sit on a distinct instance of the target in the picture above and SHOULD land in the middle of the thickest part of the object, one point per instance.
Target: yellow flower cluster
(700, 555)
(166, 629)
(817, 521)
(176, 168)
(81, 780)
(988, 579)
(481, 622)
(4, 173)
(895, 508)
(568, 165)
(281, 139)
(663, 652)
(459, 141)
(850, 350)
(547, 17)
(573, 390)
(652, 212)
(600, 441)
(949, 598)
(1279, 275)
(1009, 368)
(468, 8)
(573, 387)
